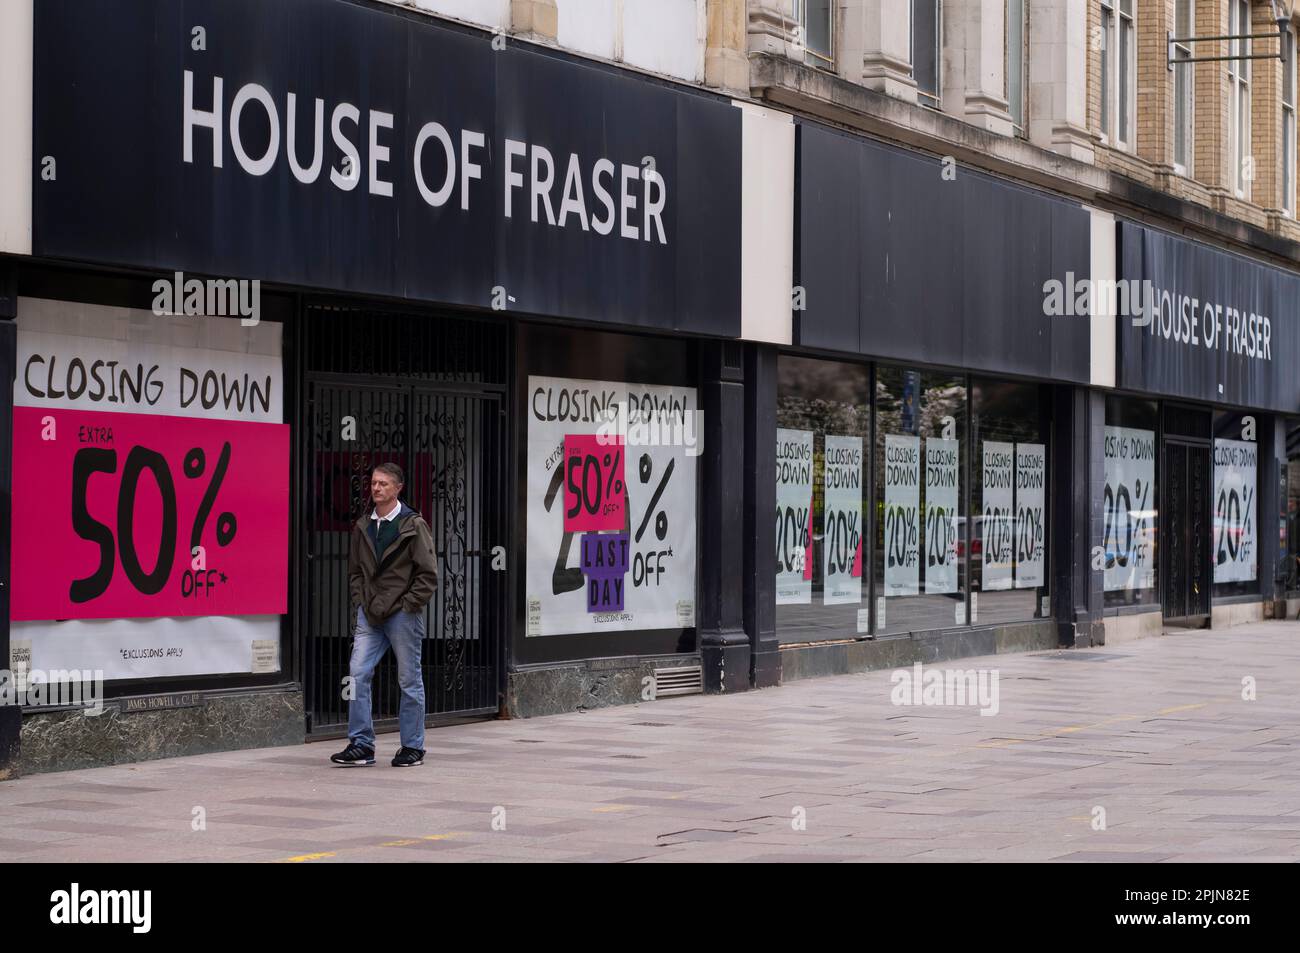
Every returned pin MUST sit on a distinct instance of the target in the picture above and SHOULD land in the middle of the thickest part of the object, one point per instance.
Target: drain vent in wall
(686, 680)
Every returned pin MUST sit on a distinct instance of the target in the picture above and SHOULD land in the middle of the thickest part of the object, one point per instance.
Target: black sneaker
(354, 754)
(408, 758)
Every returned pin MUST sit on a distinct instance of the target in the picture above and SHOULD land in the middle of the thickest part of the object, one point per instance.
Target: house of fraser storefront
(505, 270)
(916, 472)
(1196, 461)
(533, 282)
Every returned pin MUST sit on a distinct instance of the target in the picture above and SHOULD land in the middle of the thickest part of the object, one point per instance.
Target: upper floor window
(1288, 122)
(1239, 97)
(926, 34)
(816, 21)
(1184, 83)
(1016, 63)
(1118, 71)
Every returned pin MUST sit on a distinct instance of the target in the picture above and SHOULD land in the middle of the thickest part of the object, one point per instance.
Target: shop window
(922, 564)
(1236, 513)
(822, 439)
(127, 426)
(1130, 506)
(1009, 474)
(611, 444)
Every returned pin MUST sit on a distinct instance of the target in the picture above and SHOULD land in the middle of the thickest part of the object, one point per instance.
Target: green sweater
(383, 533)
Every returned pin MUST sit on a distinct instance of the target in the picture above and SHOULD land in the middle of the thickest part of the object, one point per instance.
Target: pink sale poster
(127, 515)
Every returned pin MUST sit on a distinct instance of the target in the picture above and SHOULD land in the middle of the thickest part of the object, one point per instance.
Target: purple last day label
(605, 564)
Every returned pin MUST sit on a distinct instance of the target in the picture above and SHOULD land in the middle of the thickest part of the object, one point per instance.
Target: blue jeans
(404, 631)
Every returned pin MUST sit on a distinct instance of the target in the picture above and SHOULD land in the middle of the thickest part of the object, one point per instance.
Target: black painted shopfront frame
(1056, 499)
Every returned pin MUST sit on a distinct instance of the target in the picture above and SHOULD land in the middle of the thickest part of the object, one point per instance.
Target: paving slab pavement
(1152, 737)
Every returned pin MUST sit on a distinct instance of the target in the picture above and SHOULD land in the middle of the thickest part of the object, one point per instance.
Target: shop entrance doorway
(430, 395)
(1185, 531)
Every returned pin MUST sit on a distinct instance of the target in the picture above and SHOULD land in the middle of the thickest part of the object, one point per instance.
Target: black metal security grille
(1187, 528)
(428, 394)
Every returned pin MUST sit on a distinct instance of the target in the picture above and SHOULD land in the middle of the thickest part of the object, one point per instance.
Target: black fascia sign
(1208, 324)
(333, 145)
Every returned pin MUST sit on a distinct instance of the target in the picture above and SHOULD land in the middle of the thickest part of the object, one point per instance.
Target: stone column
(1059, 54)
(1078, 521)
(873, 45)
(725, 649)
(771, 29)
(974, 70)
(537, 18)
(759, 488)
(725, 64)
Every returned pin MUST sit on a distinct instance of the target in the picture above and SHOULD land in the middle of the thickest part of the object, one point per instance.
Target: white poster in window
(794, 486)
(902, 514)
(842, 523)
(199, 401)
(1236, 547)
(996, 539)
(1129, 512)
(611, 506)
(942, 525)
(1031, 521)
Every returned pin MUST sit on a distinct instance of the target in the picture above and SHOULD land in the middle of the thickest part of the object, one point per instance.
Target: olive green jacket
(407, 576)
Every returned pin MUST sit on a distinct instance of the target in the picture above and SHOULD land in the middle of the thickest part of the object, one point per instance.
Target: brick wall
(1211, 179)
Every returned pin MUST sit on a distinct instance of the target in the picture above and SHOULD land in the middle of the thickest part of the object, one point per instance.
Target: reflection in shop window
(1235, 549)
(823, 429)
(1130, 510)
(920, 537)
(1011, 423)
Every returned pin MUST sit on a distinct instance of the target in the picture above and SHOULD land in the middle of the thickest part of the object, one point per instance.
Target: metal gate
(429, 395)
(1185, 517)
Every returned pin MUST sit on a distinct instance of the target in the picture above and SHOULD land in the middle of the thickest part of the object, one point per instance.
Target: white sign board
(942, 519)
(1129, 509)
(842, 525)
(902, 514)
(794, 485)
(997, 539)
(1236, 539)
(618, 456)
(1031, 520)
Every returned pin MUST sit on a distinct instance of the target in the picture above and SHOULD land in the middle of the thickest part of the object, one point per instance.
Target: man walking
(392, 575)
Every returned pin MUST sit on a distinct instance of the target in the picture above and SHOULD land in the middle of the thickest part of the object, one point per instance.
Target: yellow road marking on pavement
(1071, 729)
(609, 808)
(303, 857)
(1098, 724)
(405, 842)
